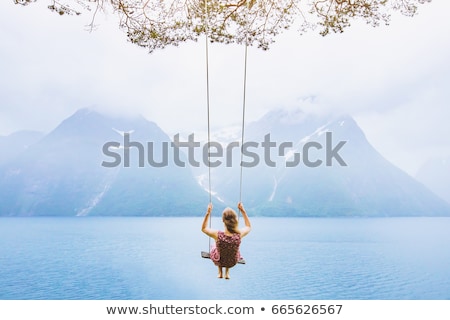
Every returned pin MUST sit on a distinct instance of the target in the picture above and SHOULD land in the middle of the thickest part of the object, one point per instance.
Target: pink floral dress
(226, 251)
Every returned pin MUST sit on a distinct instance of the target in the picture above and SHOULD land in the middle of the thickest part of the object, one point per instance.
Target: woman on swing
(225, 253)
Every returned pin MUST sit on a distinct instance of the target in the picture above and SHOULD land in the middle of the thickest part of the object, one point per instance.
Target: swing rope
(208, 109)
(244, 101)
(244, 95)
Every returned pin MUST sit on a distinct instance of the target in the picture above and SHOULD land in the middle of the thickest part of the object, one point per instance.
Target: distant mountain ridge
(368, 186)
(61, 173)
(13, 145)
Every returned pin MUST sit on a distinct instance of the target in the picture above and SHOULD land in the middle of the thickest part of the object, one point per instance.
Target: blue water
(287, 258)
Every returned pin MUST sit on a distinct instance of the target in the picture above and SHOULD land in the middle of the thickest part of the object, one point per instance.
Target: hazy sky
(395, 80)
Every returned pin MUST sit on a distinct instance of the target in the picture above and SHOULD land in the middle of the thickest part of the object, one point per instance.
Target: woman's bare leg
(227, 273)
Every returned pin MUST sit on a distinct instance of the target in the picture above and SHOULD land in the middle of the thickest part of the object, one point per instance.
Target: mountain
(70, 172)
(13, 145)
(296, 164)
(356, 181)
(435, 174)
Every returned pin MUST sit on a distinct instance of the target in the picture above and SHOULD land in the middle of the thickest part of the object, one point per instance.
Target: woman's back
(227, 254)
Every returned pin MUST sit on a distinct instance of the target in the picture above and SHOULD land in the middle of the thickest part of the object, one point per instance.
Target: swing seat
(206, 255)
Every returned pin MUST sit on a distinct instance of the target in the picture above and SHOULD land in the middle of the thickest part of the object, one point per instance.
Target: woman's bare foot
(220, 275)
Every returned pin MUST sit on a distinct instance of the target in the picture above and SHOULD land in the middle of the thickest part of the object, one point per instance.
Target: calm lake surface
(287, 258)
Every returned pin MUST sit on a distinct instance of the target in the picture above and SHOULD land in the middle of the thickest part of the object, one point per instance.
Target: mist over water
(287, 258)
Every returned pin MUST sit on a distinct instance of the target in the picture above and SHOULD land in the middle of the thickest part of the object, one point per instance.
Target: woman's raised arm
(205, 229)
(248, 227)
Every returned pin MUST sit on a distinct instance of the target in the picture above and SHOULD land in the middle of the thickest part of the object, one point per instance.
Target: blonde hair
(229, 218)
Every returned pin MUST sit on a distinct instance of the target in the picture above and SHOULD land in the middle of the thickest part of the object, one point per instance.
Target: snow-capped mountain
(295, 165)
(337, 172)
(68, 172)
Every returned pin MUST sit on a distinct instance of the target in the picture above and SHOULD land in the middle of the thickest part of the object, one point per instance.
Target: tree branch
(155, 24)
